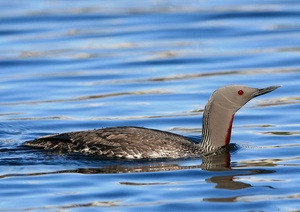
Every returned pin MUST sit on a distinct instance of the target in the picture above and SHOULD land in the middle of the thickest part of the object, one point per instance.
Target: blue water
(70, 66)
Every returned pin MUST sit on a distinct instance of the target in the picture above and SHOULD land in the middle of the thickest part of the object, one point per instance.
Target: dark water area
(72, 66)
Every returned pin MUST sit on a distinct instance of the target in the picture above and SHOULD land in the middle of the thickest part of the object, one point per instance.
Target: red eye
(240, 92)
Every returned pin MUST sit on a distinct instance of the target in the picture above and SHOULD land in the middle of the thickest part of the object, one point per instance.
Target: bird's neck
(216, 127)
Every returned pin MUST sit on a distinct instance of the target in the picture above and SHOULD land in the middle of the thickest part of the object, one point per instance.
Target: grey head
(219, 113)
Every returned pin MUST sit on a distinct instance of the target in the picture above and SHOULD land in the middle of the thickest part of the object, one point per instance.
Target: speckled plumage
(120, 142)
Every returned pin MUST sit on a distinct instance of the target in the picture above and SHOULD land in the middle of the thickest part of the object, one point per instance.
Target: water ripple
(71, 67)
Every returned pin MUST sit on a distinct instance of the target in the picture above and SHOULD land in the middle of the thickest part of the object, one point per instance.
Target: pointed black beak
(263, 91)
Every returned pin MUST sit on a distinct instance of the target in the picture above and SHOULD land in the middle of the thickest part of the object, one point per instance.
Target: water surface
(92, 64)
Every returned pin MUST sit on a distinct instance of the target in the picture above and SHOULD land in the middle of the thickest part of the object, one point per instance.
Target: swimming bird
(138, 142)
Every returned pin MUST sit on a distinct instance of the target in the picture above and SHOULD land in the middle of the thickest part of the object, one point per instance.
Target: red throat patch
(228, 136)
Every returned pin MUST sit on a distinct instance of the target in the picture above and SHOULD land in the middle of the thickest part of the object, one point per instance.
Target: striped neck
(216, 127)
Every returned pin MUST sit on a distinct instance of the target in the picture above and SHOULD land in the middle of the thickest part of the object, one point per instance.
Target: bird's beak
(262, 91)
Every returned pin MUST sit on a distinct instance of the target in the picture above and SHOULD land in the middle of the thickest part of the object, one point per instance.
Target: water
(91, 64)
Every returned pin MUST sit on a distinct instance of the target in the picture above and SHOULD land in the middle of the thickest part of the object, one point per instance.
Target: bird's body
(138, 142)
(121, 142)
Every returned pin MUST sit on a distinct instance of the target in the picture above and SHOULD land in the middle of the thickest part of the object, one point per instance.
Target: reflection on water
(218, 162)
(71, 67)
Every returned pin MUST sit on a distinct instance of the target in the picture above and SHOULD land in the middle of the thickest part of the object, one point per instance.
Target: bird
(132, 142)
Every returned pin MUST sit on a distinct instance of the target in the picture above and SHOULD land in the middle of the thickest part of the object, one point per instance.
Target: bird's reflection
(219, 163)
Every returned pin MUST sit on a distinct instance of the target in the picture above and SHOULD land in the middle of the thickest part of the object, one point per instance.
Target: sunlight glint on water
(93, 64)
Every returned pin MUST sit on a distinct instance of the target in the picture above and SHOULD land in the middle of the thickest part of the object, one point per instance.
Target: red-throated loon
(137, 142)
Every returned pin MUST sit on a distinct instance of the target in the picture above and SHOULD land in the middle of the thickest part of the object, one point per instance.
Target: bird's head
(233, 97)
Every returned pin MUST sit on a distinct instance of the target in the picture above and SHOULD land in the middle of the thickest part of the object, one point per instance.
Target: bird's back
(120, 142)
